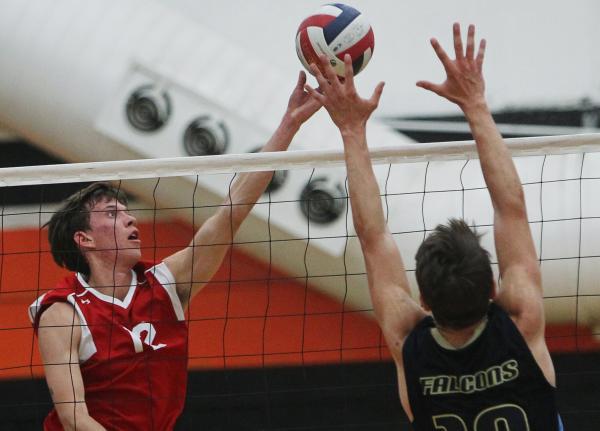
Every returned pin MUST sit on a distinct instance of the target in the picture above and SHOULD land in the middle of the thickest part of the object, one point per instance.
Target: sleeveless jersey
(132, 354)
(492, 383)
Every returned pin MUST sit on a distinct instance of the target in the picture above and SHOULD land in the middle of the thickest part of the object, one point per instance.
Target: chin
(130, 256)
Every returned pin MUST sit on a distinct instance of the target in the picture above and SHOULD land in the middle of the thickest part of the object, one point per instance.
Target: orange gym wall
(272, 325)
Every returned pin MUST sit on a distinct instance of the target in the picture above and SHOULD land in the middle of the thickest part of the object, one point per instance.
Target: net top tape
(287, 160)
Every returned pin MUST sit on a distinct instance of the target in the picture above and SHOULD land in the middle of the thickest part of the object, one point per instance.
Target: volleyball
(335, 30)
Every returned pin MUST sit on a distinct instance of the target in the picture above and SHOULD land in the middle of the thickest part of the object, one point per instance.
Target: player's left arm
(521, 293)
(195, 265)
(395, 309)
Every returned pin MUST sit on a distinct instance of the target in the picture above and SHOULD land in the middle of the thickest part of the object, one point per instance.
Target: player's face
(114, 231)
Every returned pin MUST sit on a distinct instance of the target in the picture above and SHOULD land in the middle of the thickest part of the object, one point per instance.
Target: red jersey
(132, 354)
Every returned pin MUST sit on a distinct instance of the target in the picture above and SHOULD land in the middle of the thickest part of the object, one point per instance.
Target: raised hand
(464, 84)
(301, 106)
(346, 108)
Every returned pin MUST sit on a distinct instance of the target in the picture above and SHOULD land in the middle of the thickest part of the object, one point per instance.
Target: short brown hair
(74, 216)
(454, 275)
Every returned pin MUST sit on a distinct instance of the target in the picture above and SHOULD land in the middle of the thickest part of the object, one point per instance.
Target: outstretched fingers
(481, 54)
(330, 74)
(348, 71)
(374, 100)
(470, 42)
(319, 76)
(430, 86)
(441, 54)
(315, 94)
(301, 79)
(458, 45)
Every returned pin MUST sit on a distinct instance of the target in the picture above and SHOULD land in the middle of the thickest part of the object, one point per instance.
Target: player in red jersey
(113, 336)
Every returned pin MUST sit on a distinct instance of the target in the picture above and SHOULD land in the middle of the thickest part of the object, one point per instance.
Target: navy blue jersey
(493, 383)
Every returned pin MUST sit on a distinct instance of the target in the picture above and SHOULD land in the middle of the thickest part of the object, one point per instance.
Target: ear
(83, 240)
(494, 291)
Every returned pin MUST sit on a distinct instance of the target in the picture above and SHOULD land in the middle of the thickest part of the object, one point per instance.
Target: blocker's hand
(346, 108)
(301, 106)
(464, 84)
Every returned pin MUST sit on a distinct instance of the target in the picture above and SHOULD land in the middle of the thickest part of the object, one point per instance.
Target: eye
(111, 213)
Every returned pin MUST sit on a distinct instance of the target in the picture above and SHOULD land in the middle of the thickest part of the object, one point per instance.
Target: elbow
(67, 420)
(72, 418)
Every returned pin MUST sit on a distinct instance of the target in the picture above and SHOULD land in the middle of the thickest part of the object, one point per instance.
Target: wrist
(475, 107)
(282, 136)
(289, 123)
(353, 130)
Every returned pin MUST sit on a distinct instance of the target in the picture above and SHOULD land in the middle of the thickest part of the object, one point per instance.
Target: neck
(459, 338)
(110, 279)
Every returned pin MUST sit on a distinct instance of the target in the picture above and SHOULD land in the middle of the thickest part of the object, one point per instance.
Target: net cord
(267, 161)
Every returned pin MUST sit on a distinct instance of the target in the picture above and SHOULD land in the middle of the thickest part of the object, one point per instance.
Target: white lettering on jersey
(469, 383)
(136, 336)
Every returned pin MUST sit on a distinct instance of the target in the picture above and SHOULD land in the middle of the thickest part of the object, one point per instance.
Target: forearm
(193, 266)
(394, 307)
(249, 186)
(497, 165)
(367, 212)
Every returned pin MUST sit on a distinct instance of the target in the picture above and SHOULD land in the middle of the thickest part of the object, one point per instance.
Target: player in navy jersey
(470, 357)
(113, 336)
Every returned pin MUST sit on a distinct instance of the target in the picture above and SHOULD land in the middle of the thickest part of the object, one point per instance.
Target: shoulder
(512, 330)
(59, 313)
(160, 276)
(59, 333)
(497, 313)
(415, 339)
(521, 297)
(157, 271)
(499, 320)
(529, 322)
(59, 325)
(59, 295)
(525, 339)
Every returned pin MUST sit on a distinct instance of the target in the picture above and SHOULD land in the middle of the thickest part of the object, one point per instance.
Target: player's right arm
(59, 335)
(396, 311)
(195, 265)
(521, 291)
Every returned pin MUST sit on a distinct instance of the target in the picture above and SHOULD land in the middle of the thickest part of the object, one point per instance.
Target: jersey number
(505, 417)
(139, 331)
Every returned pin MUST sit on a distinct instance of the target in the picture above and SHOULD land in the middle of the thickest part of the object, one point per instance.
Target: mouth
(135, 236)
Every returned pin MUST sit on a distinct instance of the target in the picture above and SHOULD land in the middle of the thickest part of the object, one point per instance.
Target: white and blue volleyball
(335, 30)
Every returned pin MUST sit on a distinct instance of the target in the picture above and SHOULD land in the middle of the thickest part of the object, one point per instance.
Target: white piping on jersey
(439, 338)
(165, 277)
(162, 274)
(87, 347)
(110, 299)
(34, 308)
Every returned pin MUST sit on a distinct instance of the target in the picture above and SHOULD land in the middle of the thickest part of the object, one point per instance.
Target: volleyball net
(293, 292)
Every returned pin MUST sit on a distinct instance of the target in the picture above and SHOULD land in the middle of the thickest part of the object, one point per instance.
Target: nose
(131, 220)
